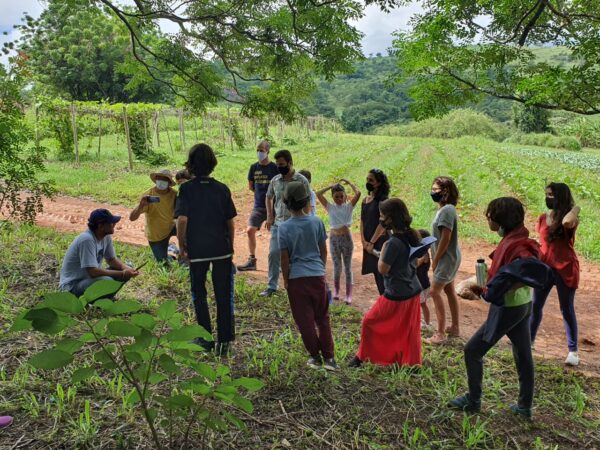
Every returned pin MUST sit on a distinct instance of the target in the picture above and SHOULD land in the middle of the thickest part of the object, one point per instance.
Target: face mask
(549, 203)
(385, 225)
(370, 187)
(261, 156)
(283, 170)
(500, 232)
(161, 185)
(436, 196)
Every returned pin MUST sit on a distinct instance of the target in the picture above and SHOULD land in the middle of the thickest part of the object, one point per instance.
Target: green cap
(296, 191)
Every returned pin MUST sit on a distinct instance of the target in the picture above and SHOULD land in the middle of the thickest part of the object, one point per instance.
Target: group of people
(201, 214)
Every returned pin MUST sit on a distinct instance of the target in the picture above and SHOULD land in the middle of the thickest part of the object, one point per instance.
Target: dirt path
(70, 214)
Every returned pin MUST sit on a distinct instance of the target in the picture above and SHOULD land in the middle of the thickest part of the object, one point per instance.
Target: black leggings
(514, 323)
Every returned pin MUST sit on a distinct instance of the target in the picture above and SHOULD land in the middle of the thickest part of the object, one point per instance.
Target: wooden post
(196, 129)
(75, 143)
(281, 133)
(222, 131)
(129, 151)
(99, 135)
(37, 132)
(167, 130)
(230, 129)
(145, 119)
(181, 129)
(156, 130)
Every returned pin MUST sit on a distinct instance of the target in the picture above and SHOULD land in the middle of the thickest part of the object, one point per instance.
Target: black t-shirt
(261, 176)
(401, 282)
(423, 274)
(208, 206)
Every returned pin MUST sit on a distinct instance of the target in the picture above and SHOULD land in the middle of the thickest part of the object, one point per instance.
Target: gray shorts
(257, 217)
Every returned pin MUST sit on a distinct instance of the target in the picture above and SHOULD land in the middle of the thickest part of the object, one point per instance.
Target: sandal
(437, 338)
(450, 331)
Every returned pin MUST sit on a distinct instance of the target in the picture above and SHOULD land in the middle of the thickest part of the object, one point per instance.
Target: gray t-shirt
(302, 237)
(447, 267)
(401, 282)
(275, 191)
(84, 252)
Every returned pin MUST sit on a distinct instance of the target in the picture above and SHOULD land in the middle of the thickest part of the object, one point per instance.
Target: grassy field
(299, 407)
(482, 168)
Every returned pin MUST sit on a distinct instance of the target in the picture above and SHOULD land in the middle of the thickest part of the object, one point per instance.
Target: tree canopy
(459, 50)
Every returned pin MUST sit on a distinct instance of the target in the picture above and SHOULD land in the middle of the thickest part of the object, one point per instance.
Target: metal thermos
(481, 271)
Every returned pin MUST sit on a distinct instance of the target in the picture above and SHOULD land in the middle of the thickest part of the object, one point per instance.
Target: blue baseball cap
(102, 216)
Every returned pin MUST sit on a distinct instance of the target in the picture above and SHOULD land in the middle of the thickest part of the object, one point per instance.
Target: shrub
(366, 116)
(151, 350)
(455, 124)
(531, 119)
(585, 129)
(546, 140)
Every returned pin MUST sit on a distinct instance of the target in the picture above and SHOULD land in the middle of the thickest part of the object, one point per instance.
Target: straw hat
(163, 173)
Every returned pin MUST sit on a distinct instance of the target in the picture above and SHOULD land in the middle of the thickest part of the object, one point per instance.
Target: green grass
(299, 408)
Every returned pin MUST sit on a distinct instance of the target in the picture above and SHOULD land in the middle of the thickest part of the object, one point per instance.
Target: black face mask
(370, 187)
(437, 196)
(387, 226)
(283, 170)
(549, 203)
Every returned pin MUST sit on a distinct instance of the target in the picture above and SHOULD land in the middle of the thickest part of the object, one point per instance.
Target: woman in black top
(391, 329)
(372, 234)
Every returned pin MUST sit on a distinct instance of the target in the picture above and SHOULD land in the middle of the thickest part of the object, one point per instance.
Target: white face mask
(261, 156)
(161, 185)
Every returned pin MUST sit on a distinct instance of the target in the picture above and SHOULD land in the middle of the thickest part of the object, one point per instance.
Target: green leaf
(123, 328)
(82, 374)
(243, 403)
(144, 320)
(251, 384)
(20, 323)
(63, 301)
(124, 307)
(187, 333)
(167, 310)
(200, 388)
(46, 320)
(133, 398)
(102, 356)
(87, 337)
(69, 345)
(133, 357)
(234, 420)
(50, 359)
(104, 304)
(168, 364)
(156, 378)
(227, 390)
(100, 327)
(101, 289)
(180, 401)
(153, 413)
(206, 371)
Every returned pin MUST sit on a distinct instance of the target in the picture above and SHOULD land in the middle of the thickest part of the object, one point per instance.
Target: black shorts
(257, 217)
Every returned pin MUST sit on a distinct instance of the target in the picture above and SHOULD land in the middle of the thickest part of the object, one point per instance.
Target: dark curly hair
(508, 212)
(449, 188)
(201, 160)
(396, 210)
(563, 203)
(383, 191)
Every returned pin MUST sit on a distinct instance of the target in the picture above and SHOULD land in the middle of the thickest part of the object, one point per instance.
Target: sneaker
(465, 403)
(572, 359)
(249, 265)
(314, 363)
(5, 421)
(355, 362)
(208, 346)
(173, 249)
(222, 349)
(267, 292)
(330, 364)
(525, 412)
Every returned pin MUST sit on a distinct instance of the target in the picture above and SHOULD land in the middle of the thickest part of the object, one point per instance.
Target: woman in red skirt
(391, 329)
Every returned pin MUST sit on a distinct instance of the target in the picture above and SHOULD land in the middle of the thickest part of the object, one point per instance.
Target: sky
(376, 25)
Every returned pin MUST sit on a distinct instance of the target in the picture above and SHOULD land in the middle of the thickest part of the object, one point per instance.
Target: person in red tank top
(556, 230)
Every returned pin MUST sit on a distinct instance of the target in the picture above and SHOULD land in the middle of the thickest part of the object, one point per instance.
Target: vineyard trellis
(140, 126)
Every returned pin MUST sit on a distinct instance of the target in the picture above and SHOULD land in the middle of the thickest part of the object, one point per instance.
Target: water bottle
(481, 271)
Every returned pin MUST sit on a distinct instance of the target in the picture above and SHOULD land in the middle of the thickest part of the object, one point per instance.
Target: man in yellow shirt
(158, 204)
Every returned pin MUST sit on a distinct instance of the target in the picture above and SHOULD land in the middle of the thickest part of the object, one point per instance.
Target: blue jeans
(566, 300)
(79, 288)
(274, 259)
(160, 249)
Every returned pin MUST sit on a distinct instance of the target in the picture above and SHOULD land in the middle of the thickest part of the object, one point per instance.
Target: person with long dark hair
(446, 256)
(391, 329)
(556, 230)
(372, 234)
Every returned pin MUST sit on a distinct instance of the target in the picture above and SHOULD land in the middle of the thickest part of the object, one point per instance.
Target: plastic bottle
(481, 271)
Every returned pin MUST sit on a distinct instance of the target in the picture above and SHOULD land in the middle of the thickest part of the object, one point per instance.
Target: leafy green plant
(151, 352)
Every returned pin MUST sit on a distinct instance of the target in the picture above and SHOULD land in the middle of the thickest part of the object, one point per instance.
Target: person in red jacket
(556, 231)
(510, 315)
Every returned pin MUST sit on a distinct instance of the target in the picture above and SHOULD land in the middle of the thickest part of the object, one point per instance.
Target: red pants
(391, 332)
(310, 309)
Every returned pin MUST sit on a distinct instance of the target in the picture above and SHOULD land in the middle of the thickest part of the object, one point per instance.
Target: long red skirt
(391, 332)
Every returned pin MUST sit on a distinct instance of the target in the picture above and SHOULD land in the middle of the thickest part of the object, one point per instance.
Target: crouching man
(82, 264)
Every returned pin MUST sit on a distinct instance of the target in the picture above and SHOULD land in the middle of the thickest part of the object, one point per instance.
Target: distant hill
(368, 97)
